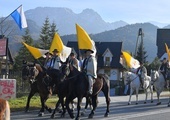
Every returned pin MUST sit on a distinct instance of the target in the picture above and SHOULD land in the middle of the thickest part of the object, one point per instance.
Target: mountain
(128, 35)
(65, 19)
(159, 24)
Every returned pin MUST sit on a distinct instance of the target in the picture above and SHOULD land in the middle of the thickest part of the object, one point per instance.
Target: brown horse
(39, 83)
(78, 88)
(4, 110)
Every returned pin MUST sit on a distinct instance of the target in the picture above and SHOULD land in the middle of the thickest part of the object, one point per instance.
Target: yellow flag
(131, 62)
(84, 41)
(36, 52)
(167, 51)
(56, 43)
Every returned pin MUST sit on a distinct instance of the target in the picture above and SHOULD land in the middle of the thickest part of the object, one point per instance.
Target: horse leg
(78, 107)
(151, 92)
(88, 101)
(158, 95)
(107, 96)
(131, 92)
(41, 113)
(29, 98)
(68, 99)
(146, 95)
(137, 90)
(94, 103)
(46, 107)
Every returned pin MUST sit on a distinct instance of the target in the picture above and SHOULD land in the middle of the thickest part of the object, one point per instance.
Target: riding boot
(90, 91)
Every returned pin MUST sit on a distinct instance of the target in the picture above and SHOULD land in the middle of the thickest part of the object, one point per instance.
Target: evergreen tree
(23, 52)
(141, 53)
(53, 30)
(45, 40)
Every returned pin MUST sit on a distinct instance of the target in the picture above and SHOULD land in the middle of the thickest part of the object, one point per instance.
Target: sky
(130, 11)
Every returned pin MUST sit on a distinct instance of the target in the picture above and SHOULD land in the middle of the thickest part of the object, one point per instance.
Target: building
(163, 36)
(108, 58)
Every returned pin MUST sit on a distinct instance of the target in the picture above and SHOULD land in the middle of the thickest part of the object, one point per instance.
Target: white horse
(133, 80)
(4, 110)
(158, 81)
(147, 86)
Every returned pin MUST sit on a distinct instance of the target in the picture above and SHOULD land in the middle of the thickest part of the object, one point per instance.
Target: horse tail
(7, 111)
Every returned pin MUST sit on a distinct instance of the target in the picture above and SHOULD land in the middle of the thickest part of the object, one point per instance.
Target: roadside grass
(19, 103)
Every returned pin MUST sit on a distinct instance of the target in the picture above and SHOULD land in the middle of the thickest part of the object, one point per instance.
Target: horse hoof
(129, 103)
(136, 103)
(62, 115)
(72, 116)
(82, 114)
(158, 103)
(52, 116)
(90, 116)
(152, 101)
(168, 105)
(106, 114)
(50, 110)
(41, 114)
(144, 102)
(26, 110)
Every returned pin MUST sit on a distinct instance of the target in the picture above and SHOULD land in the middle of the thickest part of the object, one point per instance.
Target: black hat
(55, 50)
(89, 50)
(72, 54)
(48, 53)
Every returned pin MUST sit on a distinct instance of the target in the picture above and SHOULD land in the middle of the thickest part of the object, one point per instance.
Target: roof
(114, 47)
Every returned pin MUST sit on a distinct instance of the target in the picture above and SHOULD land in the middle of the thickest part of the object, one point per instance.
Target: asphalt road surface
(119, 110)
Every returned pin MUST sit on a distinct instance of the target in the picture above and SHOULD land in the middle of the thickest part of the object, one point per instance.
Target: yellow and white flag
(167, 51)
(131, 62)
(36, 52)
(84, 41)
(57, 43)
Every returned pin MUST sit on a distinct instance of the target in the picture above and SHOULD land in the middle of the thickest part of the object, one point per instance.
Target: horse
(4, 110)
(147, 86)
(133, 80)
(78, 88)
(62, 91)
(38, 81)
(158, 82)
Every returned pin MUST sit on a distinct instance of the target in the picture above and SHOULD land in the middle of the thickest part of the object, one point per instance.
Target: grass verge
(19, 103)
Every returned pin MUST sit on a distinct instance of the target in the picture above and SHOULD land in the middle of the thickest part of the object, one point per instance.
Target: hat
(48, 53)
(72, 54)
(89, 50)
(55, 50)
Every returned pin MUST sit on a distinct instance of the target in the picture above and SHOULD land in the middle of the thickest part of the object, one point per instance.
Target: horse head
(154, 75)
(64, 70)
(127, 77)
(25, 72)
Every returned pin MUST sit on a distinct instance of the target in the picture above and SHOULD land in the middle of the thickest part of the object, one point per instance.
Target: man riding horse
(90, 68)
(53, 70)
(139, 71)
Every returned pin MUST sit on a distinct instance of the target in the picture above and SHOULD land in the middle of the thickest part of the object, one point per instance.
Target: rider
(90, 68)
(74, 61)
(47, 60)
(139, 71)
(54, 66)
(163, 68)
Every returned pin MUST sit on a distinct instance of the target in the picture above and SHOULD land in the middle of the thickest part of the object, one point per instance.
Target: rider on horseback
(73, 60)
(163, 69)
(53, 70)
(139, 71)
(90, 68)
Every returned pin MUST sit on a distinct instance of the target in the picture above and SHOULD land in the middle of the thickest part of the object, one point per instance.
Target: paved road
(119, 110)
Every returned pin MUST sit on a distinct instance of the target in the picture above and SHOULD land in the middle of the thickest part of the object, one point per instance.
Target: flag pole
(9, 15)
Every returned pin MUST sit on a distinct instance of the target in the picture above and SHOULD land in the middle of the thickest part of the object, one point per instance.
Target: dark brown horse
(39, 83)
(4, 110)
(77, 87)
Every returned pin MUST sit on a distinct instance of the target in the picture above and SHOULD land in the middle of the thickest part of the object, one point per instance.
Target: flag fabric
(167, 51)
(19, 17)
(84, 41)
(131, 62)
(64, 51)
(36, 52)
